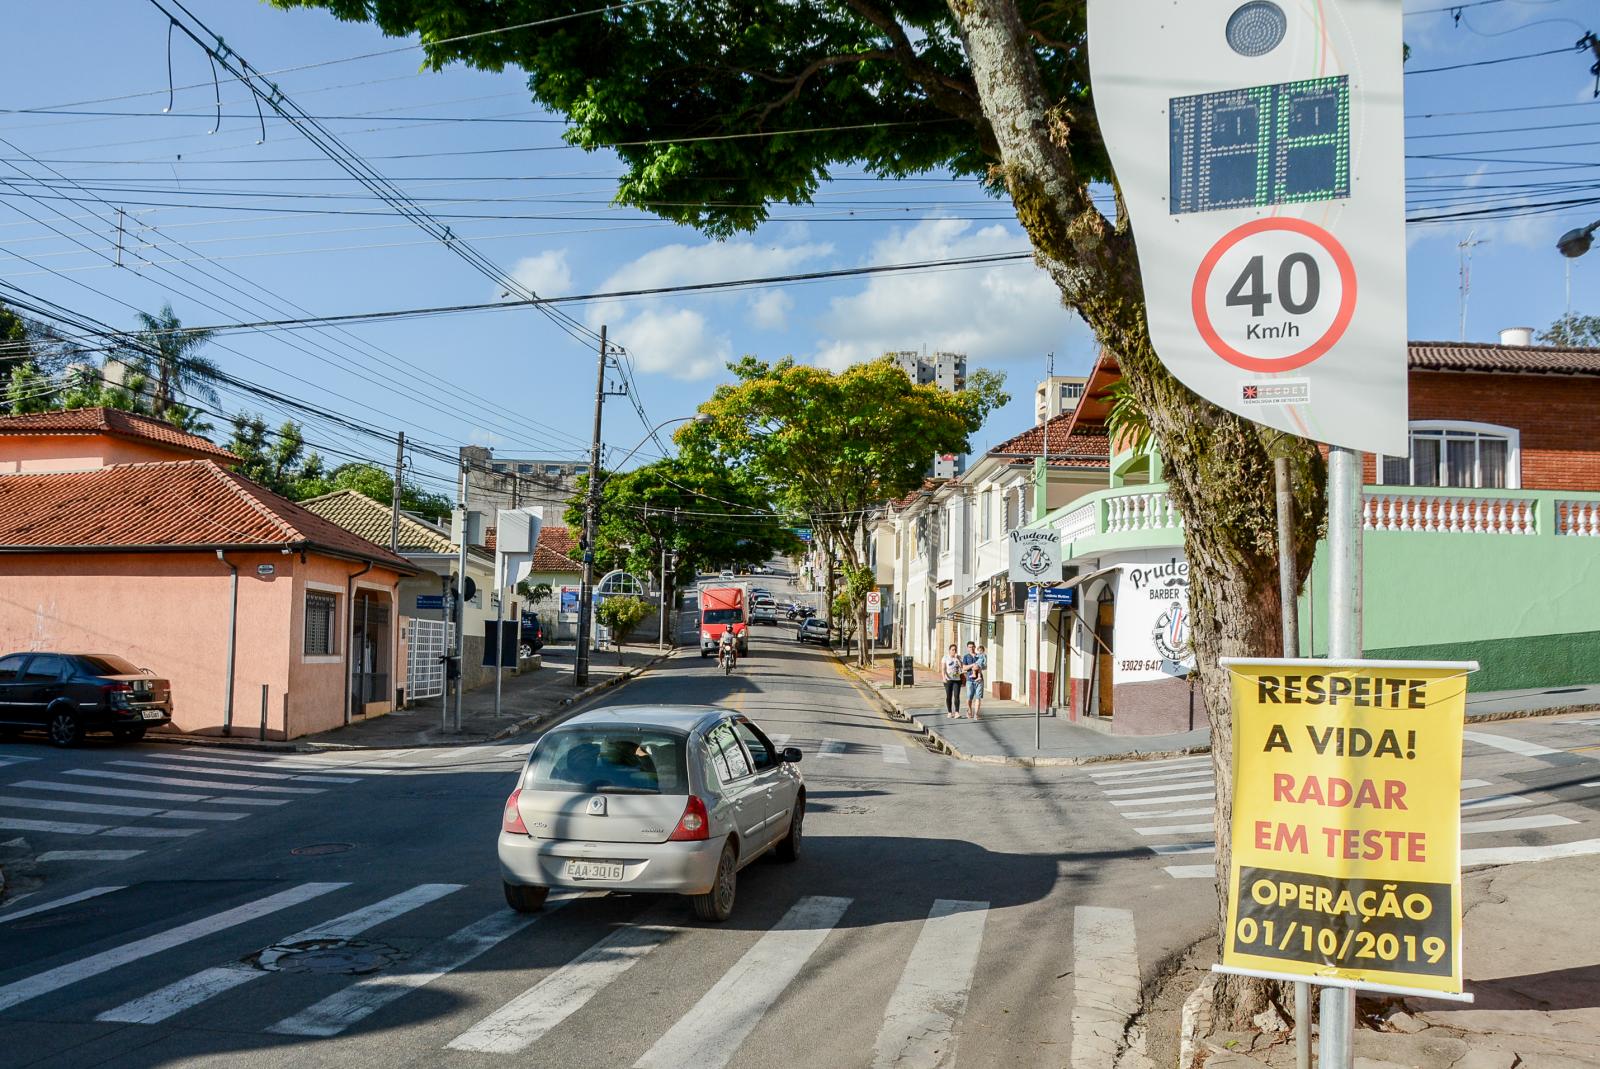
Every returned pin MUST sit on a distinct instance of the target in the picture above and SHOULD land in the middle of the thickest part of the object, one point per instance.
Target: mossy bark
(1219, 466)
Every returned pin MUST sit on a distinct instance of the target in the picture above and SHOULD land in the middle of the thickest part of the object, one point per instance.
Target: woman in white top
(953, 673)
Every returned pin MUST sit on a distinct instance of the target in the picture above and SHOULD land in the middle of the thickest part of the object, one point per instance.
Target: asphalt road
(942, 914)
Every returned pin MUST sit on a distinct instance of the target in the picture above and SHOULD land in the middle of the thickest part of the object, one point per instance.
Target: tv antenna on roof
(1466, 247)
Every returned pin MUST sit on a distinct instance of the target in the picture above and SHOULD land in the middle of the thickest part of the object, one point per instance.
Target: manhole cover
(337, 957)
(318, 849)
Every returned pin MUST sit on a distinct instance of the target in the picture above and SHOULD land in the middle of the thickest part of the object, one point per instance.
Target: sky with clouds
(230, 226)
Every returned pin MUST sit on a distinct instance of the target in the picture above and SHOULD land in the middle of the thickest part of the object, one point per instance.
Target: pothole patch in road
(328, 957)
(849, 810)
(319, 849)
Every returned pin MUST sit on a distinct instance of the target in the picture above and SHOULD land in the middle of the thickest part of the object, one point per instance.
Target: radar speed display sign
(1260, 149)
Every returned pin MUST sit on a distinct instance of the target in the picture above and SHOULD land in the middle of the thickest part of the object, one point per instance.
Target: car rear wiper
(609, 789)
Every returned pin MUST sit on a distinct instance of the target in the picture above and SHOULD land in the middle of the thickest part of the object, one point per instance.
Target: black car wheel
(65, 729)
(128, 732)
(717, 904)
(526, 899)
(788, 848)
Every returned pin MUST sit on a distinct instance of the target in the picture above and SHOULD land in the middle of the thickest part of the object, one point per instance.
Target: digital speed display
(1265, 145)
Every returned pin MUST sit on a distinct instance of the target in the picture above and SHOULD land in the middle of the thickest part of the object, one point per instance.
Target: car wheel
(526, 899)
(717, 904)
(788, 848)
(128, 732)
(65, 729)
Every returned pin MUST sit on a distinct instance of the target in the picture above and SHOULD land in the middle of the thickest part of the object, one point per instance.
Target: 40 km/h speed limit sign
(1259, 145)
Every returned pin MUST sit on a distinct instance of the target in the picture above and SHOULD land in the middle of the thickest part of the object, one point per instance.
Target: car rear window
(616, 760)
(107, 664)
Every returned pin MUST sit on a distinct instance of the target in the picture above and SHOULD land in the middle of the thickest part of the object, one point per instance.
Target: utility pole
(461, 597)
(1290, 611)
(394, 504)
(591, 511)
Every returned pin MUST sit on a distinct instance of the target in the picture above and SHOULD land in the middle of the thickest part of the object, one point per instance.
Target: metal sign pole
(1287, 592)
(1038, 665)
(1344, 643)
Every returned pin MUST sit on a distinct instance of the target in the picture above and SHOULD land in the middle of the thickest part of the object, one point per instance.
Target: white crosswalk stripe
(240, 773)
(1105, 988)
(51, 805)
(1545, 820)
(780, 741)
(1161, 775)
(709, 1035)
(46, 907)
(43, 983)
(1172, 799)
(1184, 848)
(210, 785)
(364, 998)
(133, 832)
(1179, 829)
(1511, 855)
(1123, 792)
(830, 748)
(192, 990)
(1191, 872)
(1521, 747)
(1141, 768)
(918, 1027)
(14, 759)
(88, 855)
(1161, 814)
(58, 827)
(126, 792)
(1494, 801)
(525, 1019)
(894, 754)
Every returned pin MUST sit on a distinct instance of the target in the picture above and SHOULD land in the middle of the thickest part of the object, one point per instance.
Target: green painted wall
(1514, 663)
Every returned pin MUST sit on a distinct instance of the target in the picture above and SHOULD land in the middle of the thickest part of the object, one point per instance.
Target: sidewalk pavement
(525, 700)
(1004, 734)
(1531, 964)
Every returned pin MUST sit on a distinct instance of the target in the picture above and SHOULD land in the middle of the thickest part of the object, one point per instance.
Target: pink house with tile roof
(269, 620)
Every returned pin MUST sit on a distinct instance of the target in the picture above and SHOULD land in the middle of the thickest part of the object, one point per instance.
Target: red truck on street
(721, 608)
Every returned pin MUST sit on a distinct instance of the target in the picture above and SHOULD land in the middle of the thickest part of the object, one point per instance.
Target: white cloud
(547, 274)
(1006, 312)
(664, 334)
(770, 310)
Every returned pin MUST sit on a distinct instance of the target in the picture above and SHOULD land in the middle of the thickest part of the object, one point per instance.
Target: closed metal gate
(430, 641)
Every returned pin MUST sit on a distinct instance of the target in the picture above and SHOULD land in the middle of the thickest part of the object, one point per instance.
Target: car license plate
(153, 714)
(594, 870)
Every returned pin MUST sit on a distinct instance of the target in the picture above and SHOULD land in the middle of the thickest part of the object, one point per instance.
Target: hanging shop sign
(1260, 149)
(1035, 555)
(1346, 862)
(1151, 630)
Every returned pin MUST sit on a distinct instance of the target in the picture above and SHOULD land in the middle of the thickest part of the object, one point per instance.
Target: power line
(1492, 62)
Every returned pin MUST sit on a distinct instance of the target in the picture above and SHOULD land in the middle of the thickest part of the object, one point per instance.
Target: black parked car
(67, 695)
(532, 637)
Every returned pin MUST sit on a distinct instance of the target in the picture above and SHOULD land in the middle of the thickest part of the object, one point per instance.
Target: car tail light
(511, 819)
(694, 825)
(118, 692)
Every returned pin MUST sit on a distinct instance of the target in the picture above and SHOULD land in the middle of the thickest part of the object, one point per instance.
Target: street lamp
(1574, 243)
(591, 516)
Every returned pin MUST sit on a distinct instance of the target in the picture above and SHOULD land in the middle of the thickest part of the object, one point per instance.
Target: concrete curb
(583, 695)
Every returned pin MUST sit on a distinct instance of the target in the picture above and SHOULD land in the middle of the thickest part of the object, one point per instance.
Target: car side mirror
(792, 754)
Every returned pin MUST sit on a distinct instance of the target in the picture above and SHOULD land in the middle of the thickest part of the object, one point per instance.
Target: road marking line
(1510, 745)
(1191, 872)
(59, 827)
(153, 833)
(88, 855)
(1472, 784)
(14, 759)
(830, 748)
(1549, 820)
(1143, 766)
(919, 1025)
(780, 741)
(1198, 773)
(1184, 848)
(1495, 801)
(1178, 829)
(708, 1036)
(302, 764)
(210, 785)
(242, 773)
(365, 997)
(525, 1019)
(1167, 800)
(1105, 987)
(45, 907)
(32, 987)
(119, 792)
(894, 754)
(1157, 789)
(208, 983)
(54, 806)
(1158, 814)
(1511, 855)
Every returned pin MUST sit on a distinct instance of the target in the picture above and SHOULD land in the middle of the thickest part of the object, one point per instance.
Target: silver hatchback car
(650, 798)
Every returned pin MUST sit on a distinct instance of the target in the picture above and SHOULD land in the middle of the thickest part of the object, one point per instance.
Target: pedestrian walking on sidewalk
(953, 673)
(976, 666)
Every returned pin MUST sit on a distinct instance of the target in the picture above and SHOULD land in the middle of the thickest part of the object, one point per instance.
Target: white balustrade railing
(1448, 514)
(1578, 518)
(1141, 512)
(1079, 523)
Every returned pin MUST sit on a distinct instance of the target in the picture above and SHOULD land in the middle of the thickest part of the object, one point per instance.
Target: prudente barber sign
(1035, 556)
(1259, 145)
(1346, 863)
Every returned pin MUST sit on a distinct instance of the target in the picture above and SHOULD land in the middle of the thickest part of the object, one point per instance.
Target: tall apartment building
(948, 371)
(513, 482)
(1055, 395)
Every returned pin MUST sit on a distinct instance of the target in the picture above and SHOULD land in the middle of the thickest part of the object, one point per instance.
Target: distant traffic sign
(874, 601)
(430, 601)
(1051, 595)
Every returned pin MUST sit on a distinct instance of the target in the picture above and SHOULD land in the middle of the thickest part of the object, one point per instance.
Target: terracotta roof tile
(188, 503)
(360, 514)
(1485, 356)
(118, 424)
(1090, 448)
(555, 551)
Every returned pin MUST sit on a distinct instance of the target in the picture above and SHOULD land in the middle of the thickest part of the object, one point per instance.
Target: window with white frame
(986, 514)
(1071, 391)
(949, 526)
(322, 610)
(1450, 453)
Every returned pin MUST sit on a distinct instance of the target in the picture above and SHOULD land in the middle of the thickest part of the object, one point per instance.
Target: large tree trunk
(1220, 466)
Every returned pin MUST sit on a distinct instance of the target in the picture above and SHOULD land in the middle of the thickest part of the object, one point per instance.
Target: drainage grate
(318, 849)
(331, 957)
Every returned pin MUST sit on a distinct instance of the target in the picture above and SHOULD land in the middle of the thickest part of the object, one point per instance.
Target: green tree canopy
(1572, 329)
(707, 514)
(168, 355)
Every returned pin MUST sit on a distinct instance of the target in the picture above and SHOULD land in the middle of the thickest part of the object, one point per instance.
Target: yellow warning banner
(1346, 848)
